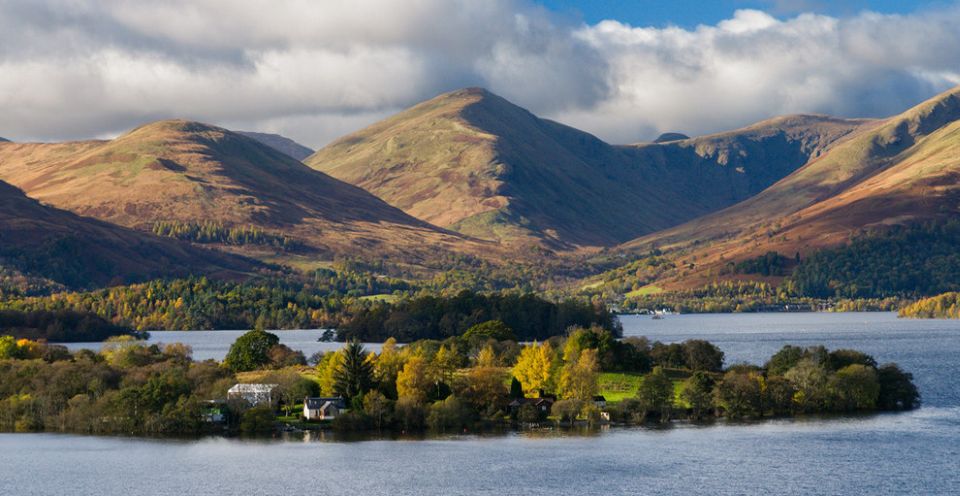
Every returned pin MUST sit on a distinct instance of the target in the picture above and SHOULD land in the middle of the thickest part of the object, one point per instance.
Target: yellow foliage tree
(579, 380)
(487, 357)
(414, 381)
(533, 366)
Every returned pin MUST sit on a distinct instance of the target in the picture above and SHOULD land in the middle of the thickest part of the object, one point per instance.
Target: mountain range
(470, 174)
(188, 173)
(473, 162)
(899, 170)
(41, 242)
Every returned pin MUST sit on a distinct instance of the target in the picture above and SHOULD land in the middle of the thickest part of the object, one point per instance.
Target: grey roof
(252, 388)
(318, 403)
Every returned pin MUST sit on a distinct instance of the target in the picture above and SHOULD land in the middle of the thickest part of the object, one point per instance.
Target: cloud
(313, 71)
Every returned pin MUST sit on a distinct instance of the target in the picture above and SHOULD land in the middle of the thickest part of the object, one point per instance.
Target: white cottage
(255, 394)
(323, 408)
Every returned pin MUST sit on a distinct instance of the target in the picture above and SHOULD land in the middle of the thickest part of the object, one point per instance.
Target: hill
(473, 162)
(180, 176)
(280, 143)
(896, 171)
(78, 252)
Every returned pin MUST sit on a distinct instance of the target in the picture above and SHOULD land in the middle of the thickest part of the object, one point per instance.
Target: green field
(619, 386)
(649, 289)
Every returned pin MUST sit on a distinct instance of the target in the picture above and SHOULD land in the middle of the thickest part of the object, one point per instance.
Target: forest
(943, 306)
(63, 326)
(429, 317)
(216, 232)
(462, 383)
(915, 260)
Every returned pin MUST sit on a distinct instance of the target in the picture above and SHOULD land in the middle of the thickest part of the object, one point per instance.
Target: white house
(255, 394)
(323, 408)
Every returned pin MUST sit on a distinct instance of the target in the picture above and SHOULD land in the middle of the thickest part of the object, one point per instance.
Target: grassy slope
(901, 169)
(82, 252)
(472, 161)
(187, 171)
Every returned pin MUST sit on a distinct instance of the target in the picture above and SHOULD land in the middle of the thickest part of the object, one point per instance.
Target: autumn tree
(534, 366)
(580, 379)
(387, 366)
(414, 382)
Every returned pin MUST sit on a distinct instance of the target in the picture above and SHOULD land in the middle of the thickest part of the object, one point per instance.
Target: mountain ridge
(80, 252)
(897, 170)
(473, 162)
(184, 171)
(280, 143)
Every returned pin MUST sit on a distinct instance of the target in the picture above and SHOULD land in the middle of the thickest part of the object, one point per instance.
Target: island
(477, 380)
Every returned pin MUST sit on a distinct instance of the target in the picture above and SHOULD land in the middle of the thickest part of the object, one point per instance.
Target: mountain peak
(665, 137)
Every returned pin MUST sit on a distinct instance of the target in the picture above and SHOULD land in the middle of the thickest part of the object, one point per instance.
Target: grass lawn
(644, 291)
(619, 386)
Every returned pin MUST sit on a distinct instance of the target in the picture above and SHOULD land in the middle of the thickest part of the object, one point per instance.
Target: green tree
(491, 329)
(516, 389)
(854, 387)
(702, 355)
(251, 351)
(655, 394)
(354, 374)
(897, 391)
(257, 419)
(8, 347)
(698, 392)
(740, 393)
(377, 407)
(809, 378)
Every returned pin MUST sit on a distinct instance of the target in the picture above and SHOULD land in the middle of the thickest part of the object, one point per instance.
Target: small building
(214, 412)
(255, 394)
(323, 408)
(543, 405)
(600, 401)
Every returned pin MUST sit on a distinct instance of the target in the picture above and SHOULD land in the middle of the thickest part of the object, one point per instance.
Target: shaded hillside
(187, 172)
(280, 143)
(473, 162)
(899, 170)
(79, 252)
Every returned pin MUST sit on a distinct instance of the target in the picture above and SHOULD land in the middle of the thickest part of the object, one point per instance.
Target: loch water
(915, 452)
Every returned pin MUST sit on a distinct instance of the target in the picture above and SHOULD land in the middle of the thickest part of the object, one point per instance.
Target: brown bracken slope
(898, 170)
(473, 162)
(80, 252)
(191, 172)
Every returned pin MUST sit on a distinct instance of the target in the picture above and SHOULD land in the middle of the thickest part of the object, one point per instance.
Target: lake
(910, 453)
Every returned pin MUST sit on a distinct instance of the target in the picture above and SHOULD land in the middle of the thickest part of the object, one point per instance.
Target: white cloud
(315, 70)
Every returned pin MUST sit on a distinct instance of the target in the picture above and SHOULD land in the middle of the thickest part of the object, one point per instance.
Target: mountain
(475, 163)
(4, 140)
(900, 170)
(186, 173)
(280, 143)
(79, 252)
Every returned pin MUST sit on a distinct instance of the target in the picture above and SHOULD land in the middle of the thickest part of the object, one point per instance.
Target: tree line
(431, 317)
(463, 382)
(59, 325)
(217, 232)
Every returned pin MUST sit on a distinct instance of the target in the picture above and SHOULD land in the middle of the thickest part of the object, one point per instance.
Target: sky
(625, 71)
